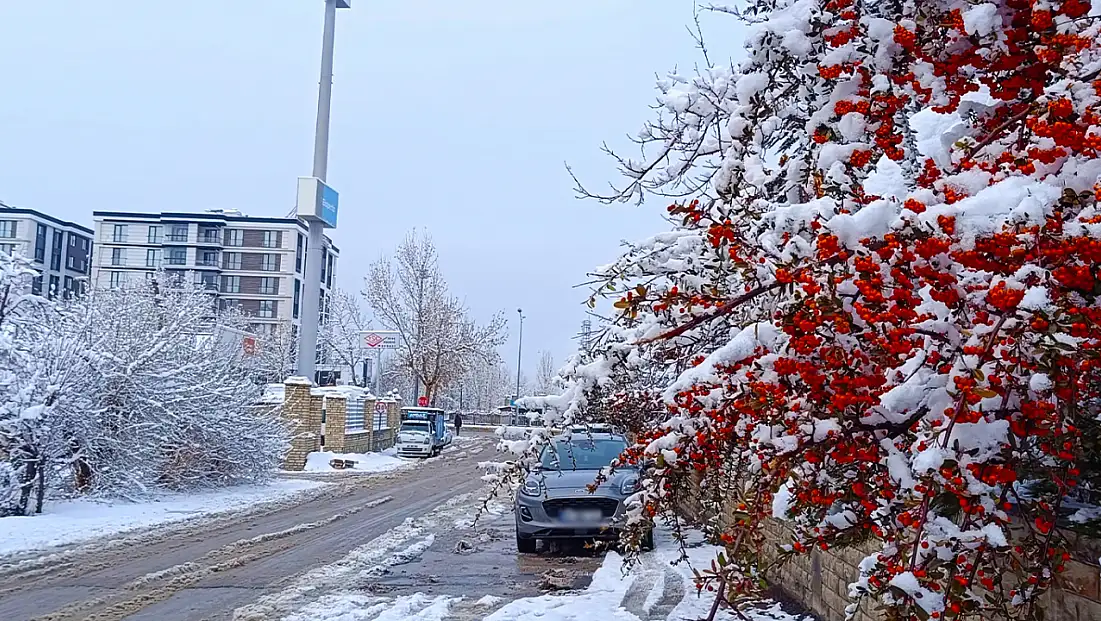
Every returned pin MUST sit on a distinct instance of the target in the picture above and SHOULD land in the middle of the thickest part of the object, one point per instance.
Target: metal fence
(355, 418)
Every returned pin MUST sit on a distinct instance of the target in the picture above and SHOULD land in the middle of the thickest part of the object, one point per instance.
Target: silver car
(555, 502)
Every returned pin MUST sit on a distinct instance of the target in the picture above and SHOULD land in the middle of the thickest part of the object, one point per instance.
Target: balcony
(176, 238)
(176, 261)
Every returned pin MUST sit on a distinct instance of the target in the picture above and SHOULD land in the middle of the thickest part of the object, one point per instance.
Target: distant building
(61, 250)
(255, 264)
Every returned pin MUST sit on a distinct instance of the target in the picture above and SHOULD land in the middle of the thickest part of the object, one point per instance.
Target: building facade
(60, 250)
(255, 264)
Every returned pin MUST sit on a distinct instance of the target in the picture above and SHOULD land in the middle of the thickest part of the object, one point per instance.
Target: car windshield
(415, 427)
(581, 454)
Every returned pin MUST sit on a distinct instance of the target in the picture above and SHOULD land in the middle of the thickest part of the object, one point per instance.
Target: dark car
(555, 502)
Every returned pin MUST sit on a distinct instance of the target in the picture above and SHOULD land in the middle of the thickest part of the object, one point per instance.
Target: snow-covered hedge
(125, 391)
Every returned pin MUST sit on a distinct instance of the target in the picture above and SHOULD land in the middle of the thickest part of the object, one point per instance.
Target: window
(8, 248)
(231, 284)
(329, 282)
(177, 256)
(270, 239)
(152, 258)
(68, 287)
(7, 229)
(55, 286)
(36, 285)
(298, 254)
(230, 305)
(55, 251)
(324, 264)
(231, 261)
(207, 280)
(116, 279)
(40, 244)
(178, 233)
(209, 235)
(269, 262)
(235, 237)
(209, 258)
(119, 235)
(267, 309)
(154, 234)
(70, 262)
(297, 293)
(269, 286)
(118, 256)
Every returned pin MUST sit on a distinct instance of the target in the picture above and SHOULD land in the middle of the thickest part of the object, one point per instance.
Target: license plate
(580, 515)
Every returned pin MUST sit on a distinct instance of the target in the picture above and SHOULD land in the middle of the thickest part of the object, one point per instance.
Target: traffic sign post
(378, 340)
(422, 401)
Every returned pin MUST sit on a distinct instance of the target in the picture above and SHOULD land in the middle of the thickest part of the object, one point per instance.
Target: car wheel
(525, 545)
(647, 542)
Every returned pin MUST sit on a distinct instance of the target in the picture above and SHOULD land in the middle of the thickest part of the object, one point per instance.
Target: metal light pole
(519, 354)
(311, 294)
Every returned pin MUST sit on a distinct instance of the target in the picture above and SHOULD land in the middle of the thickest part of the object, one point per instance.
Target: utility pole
(519, 356)
(320, 201)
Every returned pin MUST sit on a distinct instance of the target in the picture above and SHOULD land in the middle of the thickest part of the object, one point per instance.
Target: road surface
(210, 568)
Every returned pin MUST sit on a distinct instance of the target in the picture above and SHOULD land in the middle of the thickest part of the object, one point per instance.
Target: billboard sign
(317, 201)
(380, 339)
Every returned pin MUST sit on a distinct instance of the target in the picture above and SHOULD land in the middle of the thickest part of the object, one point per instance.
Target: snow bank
(73, 521)
(649, 587)
(365, 462)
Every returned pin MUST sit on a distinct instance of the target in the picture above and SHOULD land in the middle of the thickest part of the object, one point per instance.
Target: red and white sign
(380, 408)
(380, 339)
(249, 345)
(422, 401)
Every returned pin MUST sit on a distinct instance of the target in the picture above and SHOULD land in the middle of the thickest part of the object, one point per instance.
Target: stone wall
(303, 411)
(358, 442)
(336, 420)
(819, 580)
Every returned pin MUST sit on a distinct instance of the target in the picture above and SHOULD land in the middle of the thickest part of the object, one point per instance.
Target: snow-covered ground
(365, 462)
(73, 521)
(656, 589)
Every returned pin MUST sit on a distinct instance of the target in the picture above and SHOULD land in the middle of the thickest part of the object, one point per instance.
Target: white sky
(455, 116)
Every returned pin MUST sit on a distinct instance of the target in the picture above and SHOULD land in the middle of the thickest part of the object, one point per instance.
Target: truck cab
(423, 432)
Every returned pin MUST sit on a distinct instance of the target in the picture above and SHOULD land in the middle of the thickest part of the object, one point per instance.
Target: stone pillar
(303, 411)
(336, 420)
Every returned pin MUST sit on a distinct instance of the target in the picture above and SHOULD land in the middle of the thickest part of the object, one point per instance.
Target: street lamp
(519, 353)
(316, 210)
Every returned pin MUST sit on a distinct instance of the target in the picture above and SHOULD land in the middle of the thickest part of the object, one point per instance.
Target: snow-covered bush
(125, 391)
(170, 399)
(879, 296)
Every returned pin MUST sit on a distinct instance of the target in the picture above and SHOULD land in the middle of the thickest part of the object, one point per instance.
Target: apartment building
(61, 250)
(255, 264)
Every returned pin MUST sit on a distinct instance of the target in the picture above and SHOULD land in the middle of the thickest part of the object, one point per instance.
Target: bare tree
(545, 374)
(276, 353)
(341, 335)
(438, 341)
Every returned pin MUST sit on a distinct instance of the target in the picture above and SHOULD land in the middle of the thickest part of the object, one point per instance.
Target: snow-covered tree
(25, 394)
(277, 353)
(545, 374)
(439, 341)
(341, 334)
(876, 312)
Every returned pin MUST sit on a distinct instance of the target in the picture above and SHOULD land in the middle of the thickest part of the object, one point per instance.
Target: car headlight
(629, 485)
(531, 488)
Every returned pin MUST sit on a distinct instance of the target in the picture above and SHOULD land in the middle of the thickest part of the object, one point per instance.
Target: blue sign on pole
(329, 202)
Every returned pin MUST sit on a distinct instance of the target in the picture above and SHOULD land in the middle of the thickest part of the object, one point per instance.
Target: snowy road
(206, 570)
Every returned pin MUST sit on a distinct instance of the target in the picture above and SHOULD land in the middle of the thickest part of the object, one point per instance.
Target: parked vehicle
(423, 432)
(555, 502)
